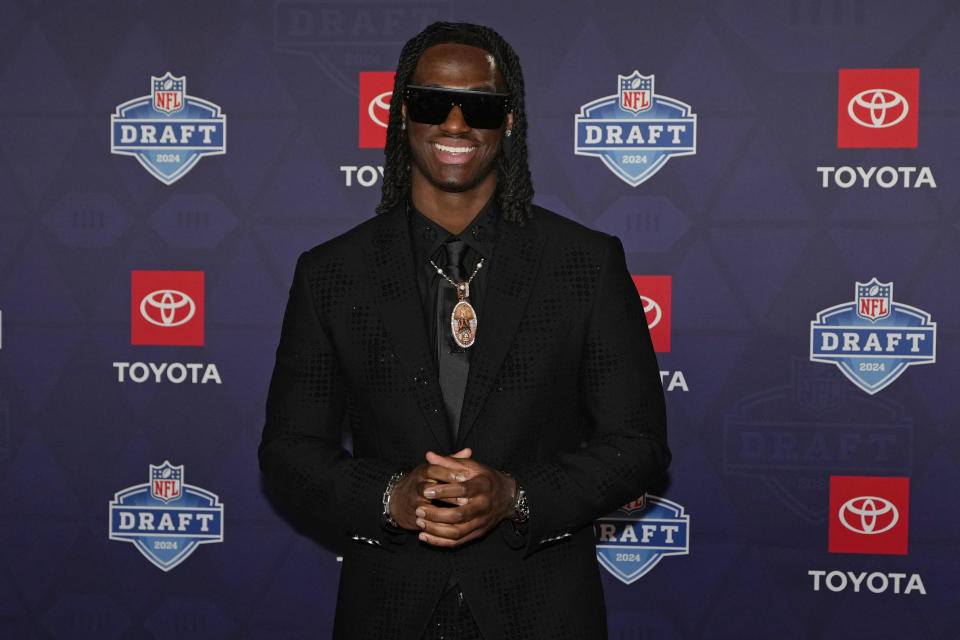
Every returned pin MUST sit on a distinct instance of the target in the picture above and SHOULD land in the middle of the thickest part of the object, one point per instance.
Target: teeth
(445, 148)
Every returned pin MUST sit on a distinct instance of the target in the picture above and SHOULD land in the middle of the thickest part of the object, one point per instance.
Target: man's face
(452, 156)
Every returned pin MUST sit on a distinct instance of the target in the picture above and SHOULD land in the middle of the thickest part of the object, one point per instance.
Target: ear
(510, 120)
(403, 112)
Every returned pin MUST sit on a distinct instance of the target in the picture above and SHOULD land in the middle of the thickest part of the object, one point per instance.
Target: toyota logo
(652, 311)
(868, 515)
(382, 102)
(882, 108)
(167, 308)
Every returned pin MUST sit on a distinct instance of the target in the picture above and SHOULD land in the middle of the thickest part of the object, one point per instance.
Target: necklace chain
(451, 280)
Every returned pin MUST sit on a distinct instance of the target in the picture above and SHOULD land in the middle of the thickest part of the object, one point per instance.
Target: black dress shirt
(428, 238)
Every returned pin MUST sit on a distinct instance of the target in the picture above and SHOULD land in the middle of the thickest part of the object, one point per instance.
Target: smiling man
(491, 363)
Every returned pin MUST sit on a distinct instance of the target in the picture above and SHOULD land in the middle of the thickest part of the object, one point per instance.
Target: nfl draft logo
(633, 539)
(168, 131)
(635, 131)
(873, 339)
(165, 518)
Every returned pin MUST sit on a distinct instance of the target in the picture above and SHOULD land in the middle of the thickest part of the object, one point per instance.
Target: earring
(507, 133)
(403, 125)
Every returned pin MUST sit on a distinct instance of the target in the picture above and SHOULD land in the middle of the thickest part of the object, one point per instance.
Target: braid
(514, 186)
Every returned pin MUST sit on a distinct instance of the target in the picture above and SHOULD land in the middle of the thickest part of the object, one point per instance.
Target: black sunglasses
(432, 105)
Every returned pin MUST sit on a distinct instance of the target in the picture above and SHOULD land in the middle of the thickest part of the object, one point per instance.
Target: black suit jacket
(563, 391)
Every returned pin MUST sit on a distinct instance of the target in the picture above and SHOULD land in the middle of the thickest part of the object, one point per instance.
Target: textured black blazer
(563, 391)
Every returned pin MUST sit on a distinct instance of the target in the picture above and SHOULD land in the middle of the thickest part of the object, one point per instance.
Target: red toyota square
(375, 90)
(655, 293)
(878, 108)
(869, 515)
(166, 307)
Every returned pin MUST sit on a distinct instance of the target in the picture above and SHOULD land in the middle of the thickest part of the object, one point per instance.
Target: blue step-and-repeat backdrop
(783, 175)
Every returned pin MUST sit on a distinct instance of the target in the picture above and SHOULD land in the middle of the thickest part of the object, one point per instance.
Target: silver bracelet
(387, 494)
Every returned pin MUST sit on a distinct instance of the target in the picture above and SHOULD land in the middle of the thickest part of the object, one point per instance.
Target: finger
(438, 541)
(478, 487)
(461, 510)
(446, 491)
(423, 485)
(443, 474)
(452, 463)
(463, 454)
(442, 515)
(448, 531)
(474, 488)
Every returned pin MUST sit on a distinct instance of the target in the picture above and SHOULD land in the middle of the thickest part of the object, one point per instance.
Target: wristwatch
(521, 509)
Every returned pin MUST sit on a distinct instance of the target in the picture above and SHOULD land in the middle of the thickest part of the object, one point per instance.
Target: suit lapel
(513, 272)
(391, 269)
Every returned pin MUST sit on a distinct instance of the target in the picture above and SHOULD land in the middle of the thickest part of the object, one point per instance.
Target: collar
(428, 237)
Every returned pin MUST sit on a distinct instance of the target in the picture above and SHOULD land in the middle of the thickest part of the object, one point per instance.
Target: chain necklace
(463, 320)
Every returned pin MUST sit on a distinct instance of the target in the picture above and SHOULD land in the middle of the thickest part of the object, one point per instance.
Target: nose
(455, 122)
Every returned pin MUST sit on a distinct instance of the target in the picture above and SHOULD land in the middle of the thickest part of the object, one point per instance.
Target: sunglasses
(432, 105)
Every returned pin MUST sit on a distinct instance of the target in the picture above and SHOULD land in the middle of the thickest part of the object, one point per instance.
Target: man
(491, 362)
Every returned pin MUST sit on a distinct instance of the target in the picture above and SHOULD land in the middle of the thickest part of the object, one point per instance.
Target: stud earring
(403, 125)
(508, 133)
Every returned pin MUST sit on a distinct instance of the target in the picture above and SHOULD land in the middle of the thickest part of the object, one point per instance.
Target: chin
(453, 183)
(454, 186)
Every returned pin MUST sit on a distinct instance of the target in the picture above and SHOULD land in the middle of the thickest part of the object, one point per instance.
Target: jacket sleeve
(301, 451)
(622, 398)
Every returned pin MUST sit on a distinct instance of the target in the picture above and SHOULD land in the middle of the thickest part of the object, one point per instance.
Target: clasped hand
(476, 498)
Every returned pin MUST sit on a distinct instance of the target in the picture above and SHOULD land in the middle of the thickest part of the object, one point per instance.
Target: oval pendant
(463, 324)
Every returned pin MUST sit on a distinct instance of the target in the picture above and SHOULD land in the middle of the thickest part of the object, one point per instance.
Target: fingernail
(423, 537)
(459, 477)
(461, 500)
(421, 513)
(421, 524)
(429, 493)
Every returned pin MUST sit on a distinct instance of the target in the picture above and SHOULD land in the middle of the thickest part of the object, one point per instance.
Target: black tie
(453, 361)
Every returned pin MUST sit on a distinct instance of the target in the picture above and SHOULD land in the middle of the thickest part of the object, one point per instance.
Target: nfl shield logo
(636, 92)
(167, 93)
(873, 299)
(166, 482)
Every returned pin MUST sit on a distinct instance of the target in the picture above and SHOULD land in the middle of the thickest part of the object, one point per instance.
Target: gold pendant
(463, 320)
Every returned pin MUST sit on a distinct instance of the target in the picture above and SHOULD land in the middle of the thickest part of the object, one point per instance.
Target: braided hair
(514, 187)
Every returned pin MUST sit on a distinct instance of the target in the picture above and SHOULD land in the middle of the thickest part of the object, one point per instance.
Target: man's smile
(458, 152)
